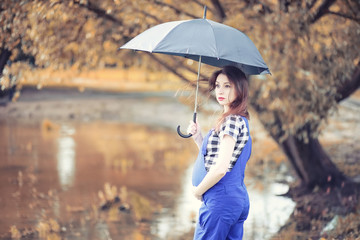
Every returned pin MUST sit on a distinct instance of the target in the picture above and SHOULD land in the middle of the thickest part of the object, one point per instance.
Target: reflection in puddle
(66, 157)
(268, 212)
(72, 164)
(180, 220)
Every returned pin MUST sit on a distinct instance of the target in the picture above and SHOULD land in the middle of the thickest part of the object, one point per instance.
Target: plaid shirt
(233, 126)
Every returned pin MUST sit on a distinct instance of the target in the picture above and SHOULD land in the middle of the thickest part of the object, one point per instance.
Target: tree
(315, 47)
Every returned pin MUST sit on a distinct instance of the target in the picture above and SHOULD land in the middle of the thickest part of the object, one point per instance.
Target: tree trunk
(4, 57)
(309, 160)
(311, 163)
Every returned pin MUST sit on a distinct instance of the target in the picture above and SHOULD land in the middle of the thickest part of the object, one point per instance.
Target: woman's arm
(218, 170)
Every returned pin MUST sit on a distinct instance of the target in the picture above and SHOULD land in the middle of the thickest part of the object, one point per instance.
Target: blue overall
(225, 206)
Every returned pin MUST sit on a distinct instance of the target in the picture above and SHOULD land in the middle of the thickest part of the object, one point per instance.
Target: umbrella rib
(213, 32)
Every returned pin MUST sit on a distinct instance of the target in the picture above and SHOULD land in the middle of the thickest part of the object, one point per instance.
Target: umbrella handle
(181, 134)
(186, 135)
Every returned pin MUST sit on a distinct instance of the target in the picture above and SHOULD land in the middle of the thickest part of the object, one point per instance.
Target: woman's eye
(227, 86)
(217, 85)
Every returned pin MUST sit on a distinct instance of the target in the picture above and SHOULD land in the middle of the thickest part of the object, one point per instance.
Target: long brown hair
(240, 83)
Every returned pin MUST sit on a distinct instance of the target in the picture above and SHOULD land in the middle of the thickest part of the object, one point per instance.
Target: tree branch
(344, 16)
(265, 8)
(99, 12)
(283, 6)
(149, 15)
(219, 10)
(350, 86)
(310, 4)
(353, 6)
(176, 9)
(321, 11)
(188, 68)
(174, 71)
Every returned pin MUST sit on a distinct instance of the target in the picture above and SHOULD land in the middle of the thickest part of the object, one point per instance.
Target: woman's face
(224, 91)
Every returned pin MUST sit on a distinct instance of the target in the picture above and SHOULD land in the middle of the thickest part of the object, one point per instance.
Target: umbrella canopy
(217, 44)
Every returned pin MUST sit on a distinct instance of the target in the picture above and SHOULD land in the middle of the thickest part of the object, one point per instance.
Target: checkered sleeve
(231, 126)
(235, 127)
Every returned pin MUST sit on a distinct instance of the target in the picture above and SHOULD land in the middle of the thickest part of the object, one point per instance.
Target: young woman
(218, 175)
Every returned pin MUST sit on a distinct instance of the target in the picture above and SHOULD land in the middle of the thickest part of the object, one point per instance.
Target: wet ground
(97, 165)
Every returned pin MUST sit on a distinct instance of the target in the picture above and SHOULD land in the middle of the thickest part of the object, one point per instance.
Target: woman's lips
(221, 98)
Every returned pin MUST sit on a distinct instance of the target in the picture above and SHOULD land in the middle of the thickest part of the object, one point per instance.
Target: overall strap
(247, 124)
(236, 176)
(205, 142)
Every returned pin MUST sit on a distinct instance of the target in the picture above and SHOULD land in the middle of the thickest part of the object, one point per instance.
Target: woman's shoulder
(235, 118)
(234, 122)
(237, 121)
(234, 125)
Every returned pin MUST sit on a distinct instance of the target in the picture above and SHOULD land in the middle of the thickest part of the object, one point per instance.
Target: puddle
(56, 171)
(56, 174)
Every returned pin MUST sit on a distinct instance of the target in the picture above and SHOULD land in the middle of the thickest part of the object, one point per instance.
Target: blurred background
(88, 145)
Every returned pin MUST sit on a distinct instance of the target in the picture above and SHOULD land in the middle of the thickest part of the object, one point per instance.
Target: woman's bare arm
(217, 171)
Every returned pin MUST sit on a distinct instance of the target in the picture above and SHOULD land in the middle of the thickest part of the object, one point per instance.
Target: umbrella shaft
(198, 76)
(197, 85)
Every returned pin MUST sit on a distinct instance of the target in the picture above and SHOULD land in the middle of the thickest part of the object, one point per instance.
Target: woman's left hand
(197, 196)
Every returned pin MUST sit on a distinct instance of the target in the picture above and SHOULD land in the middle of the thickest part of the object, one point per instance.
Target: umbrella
(202, 40)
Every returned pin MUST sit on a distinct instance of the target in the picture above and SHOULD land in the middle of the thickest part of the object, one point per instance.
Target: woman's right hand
(194, 129)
